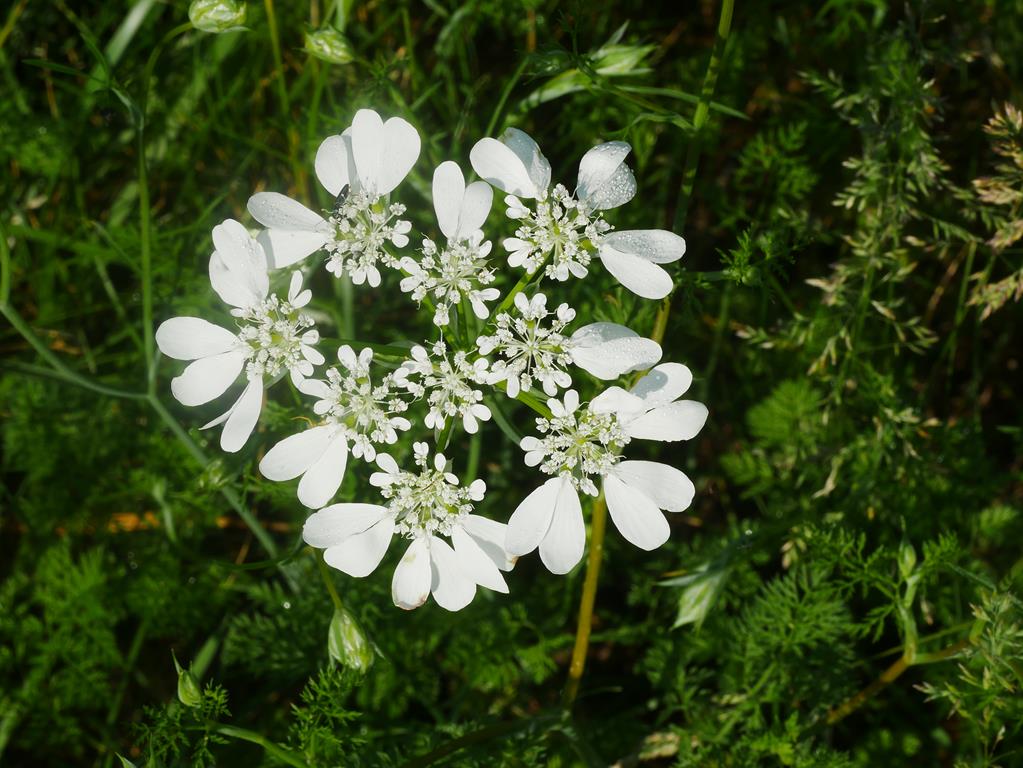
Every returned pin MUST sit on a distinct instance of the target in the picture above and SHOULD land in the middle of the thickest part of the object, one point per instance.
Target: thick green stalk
(598, 525)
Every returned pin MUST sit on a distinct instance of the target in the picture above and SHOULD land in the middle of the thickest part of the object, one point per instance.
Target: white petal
(285, 247)
(231, 290)
(189, 338)
(635, 516)
(476, 202)
(360, 554)
(368, 147)
(497, 164)
(322, 479)
(277, 211)
(604, 179)
(476, 563)
(295, 454)
(448, 191)
(531, 520)
(616, 400)
(332, 158)
(565, 541)
(642, 277)
(528, 152)
(656, 245)
(666, 382)
(332, 525)
(490, 536)
(207, 378)
(243, 418)
(608, 350)
(681, 420)
(401, 150)
(410, 585)
(243, 257)
(665, 486)
(452, 588)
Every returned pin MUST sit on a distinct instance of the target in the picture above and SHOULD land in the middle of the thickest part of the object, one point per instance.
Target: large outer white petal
(497, 164)
(294, 230)
(475, 562)
(635, 516)
(321, 481)
(189, 338)
(527, 150)
(229, 288)
(604, 179)
(642, 277)
(334, 167)
(448, 191)
(401, 150)
(565, 541)
(410, 585)
(681, 420)
(243, 418)
(207, 378)
(665, 383)
(244, 259)
(476, 202)
(616, 400)
(452, 587)
(531, 519)
(368, 148)
(332, 525)
(490, 536)
(295, 454)
(665, 486)
(656, 245)
(608, 350)
(360, 554)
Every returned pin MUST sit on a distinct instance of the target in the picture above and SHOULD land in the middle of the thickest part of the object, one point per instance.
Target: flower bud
(189, 692)
(330, 45)
(347, 643)
(907, 558)
(216, 16)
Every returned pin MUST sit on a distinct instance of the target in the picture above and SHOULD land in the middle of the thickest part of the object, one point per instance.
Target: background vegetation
(842, 593)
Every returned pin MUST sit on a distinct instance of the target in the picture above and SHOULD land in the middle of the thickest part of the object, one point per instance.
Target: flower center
(582, 444)
(273, 333)
(429, 502)
(561, 229)
(362, 227)
(448, 275)
(529, 348)
(368, 413)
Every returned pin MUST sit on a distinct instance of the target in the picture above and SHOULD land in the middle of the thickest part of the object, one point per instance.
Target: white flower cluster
(361, 408)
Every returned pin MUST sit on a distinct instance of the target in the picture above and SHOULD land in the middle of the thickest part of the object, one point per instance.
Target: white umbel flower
(448, 384)
(532, 348)
(357, 417)
(360, 168)
(579, 446)
(274, 336)
(459, 270)
(566, 231)
(425, 506)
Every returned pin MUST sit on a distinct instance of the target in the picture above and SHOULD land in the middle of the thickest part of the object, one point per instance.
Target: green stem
(325, 573)
(703, 113)
(145, 214)
(244, 734)
(582, 634)
(508, 86)
(202, 459)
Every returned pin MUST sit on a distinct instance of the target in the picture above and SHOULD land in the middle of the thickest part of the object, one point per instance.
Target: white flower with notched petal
(580, 445)
(530, 350)
(274, 337)
(357, 416)
(565, 231)
(360, 167)
(420, 506)
(449, 386)
(459, 270)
